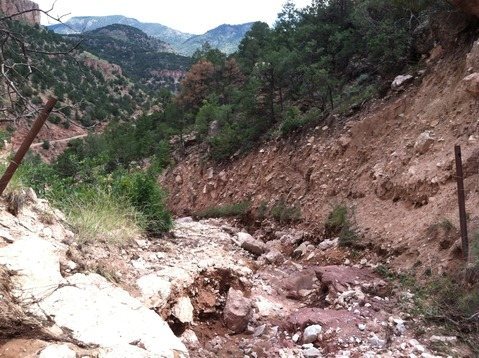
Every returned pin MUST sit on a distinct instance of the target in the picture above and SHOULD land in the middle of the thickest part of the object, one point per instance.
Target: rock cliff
(12, 7)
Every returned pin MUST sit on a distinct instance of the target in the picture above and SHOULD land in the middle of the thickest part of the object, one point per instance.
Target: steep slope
(225, 38)
(21, 7)
(393, 165)
(146, 59)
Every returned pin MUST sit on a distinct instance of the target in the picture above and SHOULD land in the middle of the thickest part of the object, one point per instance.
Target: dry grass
(104, 218)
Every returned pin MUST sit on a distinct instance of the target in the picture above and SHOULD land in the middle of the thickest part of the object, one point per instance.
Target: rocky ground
(207, 290)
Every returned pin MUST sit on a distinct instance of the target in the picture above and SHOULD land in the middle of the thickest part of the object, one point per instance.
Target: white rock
(109, 317)
(57, 351)
(184, 220)
(183, 310)
(311, 352)
(155, 291)
(361, 326)
(190, 338)
(400, 80)
(39, 263)
(6, 236)
(311, 333)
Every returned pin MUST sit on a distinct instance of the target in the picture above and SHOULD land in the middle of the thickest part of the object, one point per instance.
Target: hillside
(225, 38)
(143, 58)
(90, 90)
(77, 25)
(392, 164)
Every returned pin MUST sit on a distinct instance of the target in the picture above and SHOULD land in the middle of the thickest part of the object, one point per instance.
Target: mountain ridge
(225, 37)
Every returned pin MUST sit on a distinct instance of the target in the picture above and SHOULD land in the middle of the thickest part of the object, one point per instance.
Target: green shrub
(284, 213)
(338, 224)
(54, 119)
(46, 144)
(223, 211)
(145, 194)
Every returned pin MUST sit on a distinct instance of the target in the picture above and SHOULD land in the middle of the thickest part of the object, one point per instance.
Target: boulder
(254, 246)
(238, 311)
(424, 142)
(472, 84)
(183, 310)
(154, 290)
(311, 333)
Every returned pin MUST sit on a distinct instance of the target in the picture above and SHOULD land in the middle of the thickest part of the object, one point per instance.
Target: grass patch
(339, 225)
(225, 211)
(99, 216)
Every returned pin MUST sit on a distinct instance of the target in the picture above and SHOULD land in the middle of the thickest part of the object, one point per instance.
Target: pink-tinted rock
(238, 311)
(12, 7)
(472, 84)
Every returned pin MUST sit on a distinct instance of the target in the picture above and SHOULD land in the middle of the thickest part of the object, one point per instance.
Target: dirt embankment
(392, 164)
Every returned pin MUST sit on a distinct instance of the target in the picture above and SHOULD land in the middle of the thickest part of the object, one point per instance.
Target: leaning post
(462, 202)
(27, 142)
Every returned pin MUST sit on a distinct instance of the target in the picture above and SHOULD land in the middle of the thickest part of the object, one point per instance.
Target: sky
(192, 16)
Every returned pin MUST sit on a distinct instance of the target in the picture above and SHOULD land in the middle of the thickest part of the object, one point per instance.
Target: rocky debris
(400, 81)
(424, 142)
(183, 310)
(238, 311)
(207, 287)
(311, 333)
(472, 84)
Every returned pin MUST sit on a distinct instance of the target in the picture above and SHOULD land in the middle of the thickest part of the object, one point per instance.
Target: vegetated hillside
(90, 90)
(142, 58)
(225, 38)
(81, 24)
(391, 164)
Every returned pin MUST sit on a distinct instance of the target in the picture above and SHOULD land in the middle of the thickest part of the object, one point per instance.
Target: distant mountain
(225, 38)
(77, 25)
(143, 58)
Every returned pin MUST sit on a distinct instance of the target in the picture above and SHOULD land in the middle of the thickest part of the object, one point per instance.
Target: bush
(284, 213)
(46, 144)
(54, 119)
(338, 224)
(224, 211)
(144, 193)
